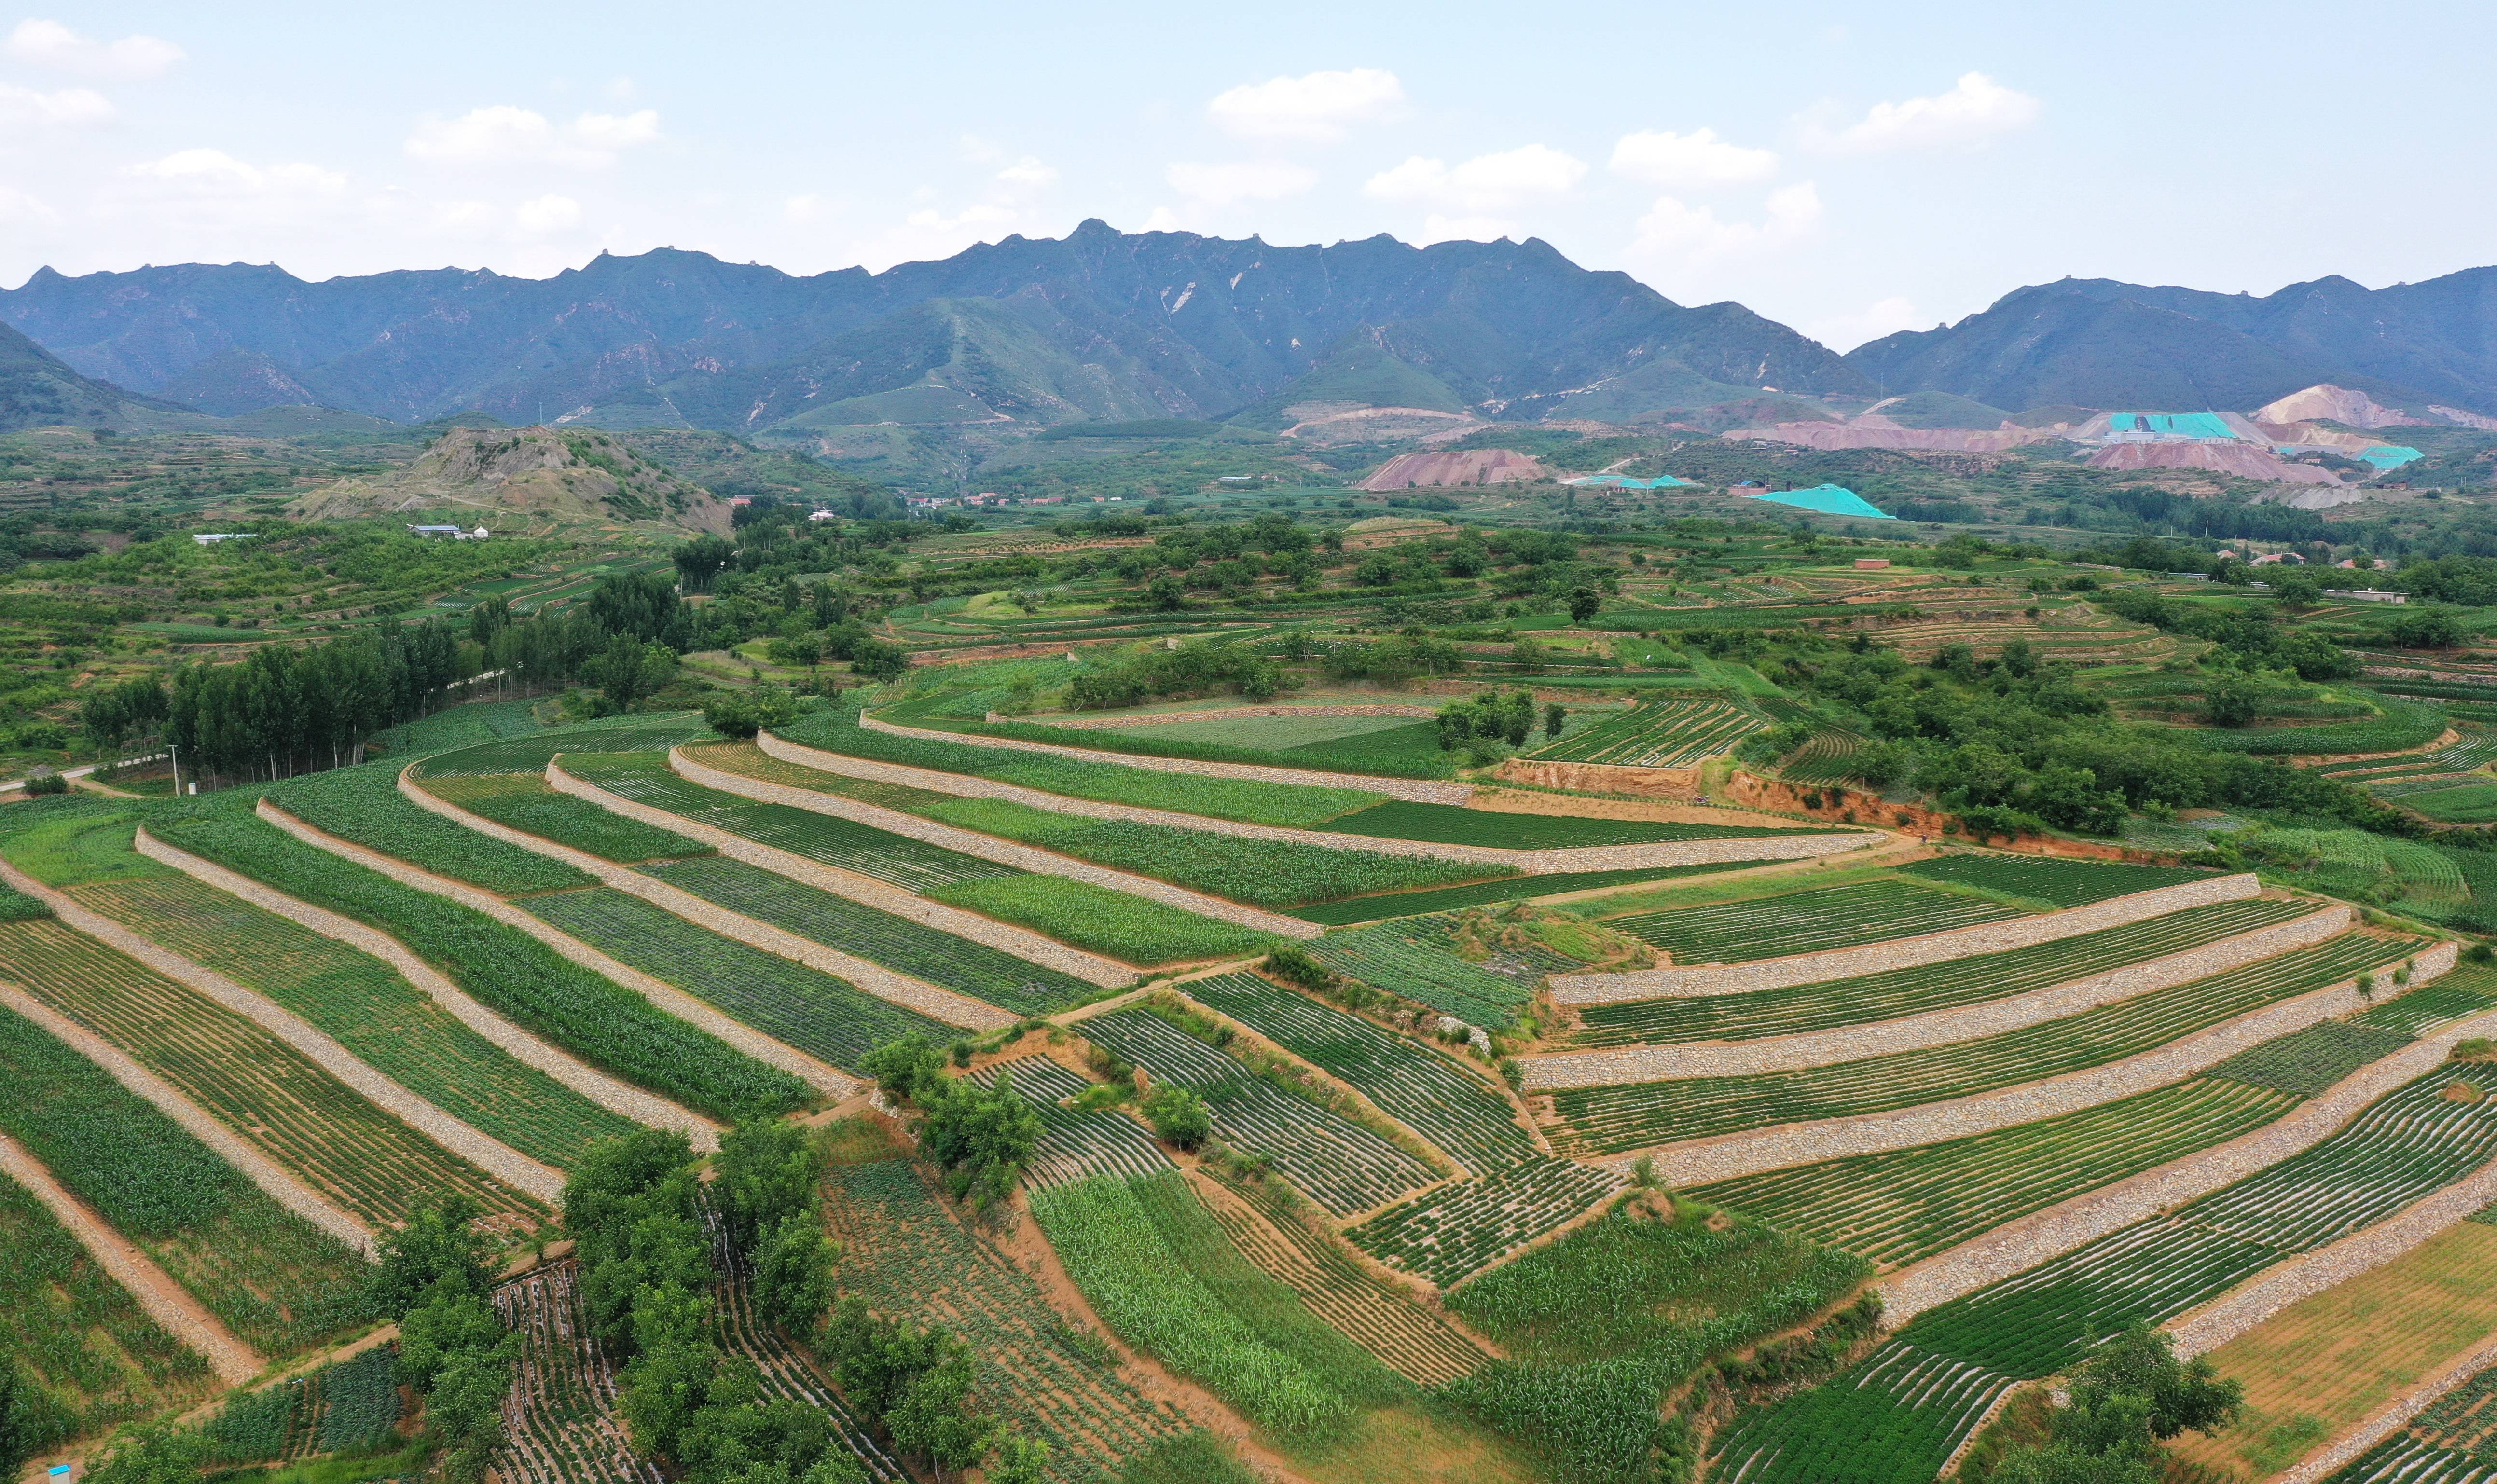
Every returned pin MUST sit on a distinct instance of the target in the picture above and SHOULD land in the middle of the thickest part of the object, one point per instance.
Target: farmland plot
(532, 753)
(1670, 733)
(363, 804)
(524, 802)
(1338, 1163)
(1630, 1115)
(2451, 1442)
(350, 1405)
(1806, 922)
(1500, 830)
(1455, 1111)
(278, 1282)
(790, 1002)
(1074, 1145)
(560, 1421)
(1448, 899)
(256, 1084)
(1920, 1393)
(911, 1256)
(1413, 958)
(784, 1374)
(1450, 1234)
(1110, 923)
(363, 1003)
(1796, 1009)
(2066, 883)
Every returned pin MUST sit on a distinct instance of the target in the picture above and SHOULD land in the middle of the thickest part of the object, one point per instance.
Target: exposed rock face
(2338, 405)
(2242, 459)
(1473, 466)
(1873, 431)
(530, 470)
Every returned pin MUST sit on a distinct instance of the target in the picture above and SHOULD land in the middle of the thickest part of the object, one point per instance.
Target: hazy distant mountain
(2093, 342)
(38, 388)
(1098, 325)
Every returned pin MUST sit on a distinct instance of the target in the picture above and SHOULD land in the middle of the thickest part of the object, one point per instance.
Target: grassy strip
(363, 804)
(1502, 830)
(1448, 899)
(505, 969)
(1394, 753)
(531, 753)
(1112, 924)
(523, 802)
(1808, 920)
(2064, 883)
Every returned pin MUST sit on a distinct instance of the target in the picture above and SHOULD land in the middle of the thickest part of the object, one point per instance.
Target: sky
(1846, 170)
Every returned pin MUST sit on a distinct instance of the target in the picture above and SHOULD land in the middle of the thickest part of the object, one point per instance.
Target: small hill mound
(2326, 402)
(2245, 460)
(557, 472)
(1464, 466)
(40, 390)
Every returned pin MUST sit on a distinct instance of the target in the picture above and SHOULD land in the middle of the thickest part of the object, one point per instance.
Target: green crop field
(1160, 1272)
(1450, 1234)
(1502, 830)
(363, 804)
(1806, 921)
(562, 1425)
(603, 1024)
(396, 1028)
(2064, 883)
(2406, 1145)
(1408, 752)
(804, 1007)
(1457, 1112)
(1335, 1162)
(1413, 958)
(2447, 1443)
(352, 1406)
(1630, 1115)
(1903, 1204)
(1668, 732)
(1113, 924)
(1448, 899)
(880, 937)
(906, 1252)
(525, 803)
(532, 752)
(1805, 1007)
(1825, 757)
(2305, 1062)
(1074, 1145)
(257, 1086)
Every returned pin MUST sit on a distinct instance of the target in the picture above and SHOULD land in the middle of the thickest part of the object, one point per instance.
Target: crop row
(1825, 757)
(2406, 1145)
(1806, 922)
(1919, 988)
(1367, 1309)
(836, 729)
(100, 1359)
(1335, 1162)
(1074, 1145)
(804, 1007)
(879, 936)
(1504, 830)
(560, 1425)
(257, 1086)
(1903, 1204)
(503, 967)
(1664, 733)
(1413, 958)
(1110, 923)
(2063, 882)
(1160, 1272)
(1628, 1116)
(908, 1254)
(1452, 1109)
(348, 1407)
(782, 1374)
(1450, 1234)
(278, 1282)
(523, 802)
(2404, 1459)
(531, 753)
(364, 1004)
(1390, 752)
(2306, 1062)
(363, 804)
(1380, 907)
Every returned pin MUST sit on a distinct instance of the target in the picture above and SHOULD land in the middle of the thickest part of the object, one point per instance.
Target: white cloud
(1317, 109)
(547, 214)
(1229, 184)
(131, 59)
(23, 108)
(620, 90)
(1689, 161)
(19, 209)
(507, 135)
(210, 174)
(1883, 317)
(1486, 182)
(931, 234)
(1975, 109)
(808, 207)
(1677, 234)
(1025, 175)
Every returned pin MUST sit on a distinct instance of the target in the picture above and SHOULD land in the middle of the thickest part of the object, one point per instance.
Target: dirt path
(166, 1300)
(520, 1045)
(462, 1138)
(822, 1076)
(279, 1184)
(874, 978)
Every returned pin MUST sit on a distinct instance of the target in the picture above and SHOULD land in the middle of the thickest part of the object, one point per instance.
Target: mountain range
(1102, 325)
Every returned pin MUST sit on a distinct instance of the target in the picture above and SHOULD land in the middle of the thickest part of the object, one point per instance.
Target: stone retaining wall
(985, 847)
(2391, 1417)
(646, 1108)
(820, 1075)
(2048, 1234)
(1220, 714)
(1772, 847)
(1937, 1027)
(1418, 790)
(1699, 1161)
(1898, 952)
(455, 1135)
(1677, 783)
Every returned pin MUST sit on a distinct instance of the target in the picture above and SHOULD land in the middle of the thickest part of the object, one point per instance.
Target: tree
(699, 560)
(2126, 1399)
(1555, 717)
(744, 713)
(2434, 627)
(1583, 603)
(630, 669)
(439, 1245)
(2295, 587)
(981, 1137)
(937, 1420)
(1179, 1116)
(879, 660)
(793, 1273)
(904, 1066)
(2229, 701)
(1021, 1459)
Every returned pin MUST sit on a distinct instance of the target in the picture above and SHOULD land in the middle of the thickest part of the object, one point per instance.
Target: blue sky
(1847, 170)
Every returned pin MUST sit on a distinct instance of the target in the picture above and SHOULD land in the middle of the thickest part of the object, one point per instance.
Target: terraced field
(1806, 1007)
(1899, 1413)
(1457, 1112)
(1631, 1115)
(1340, 1165)
(363, 804)
(1806, 921)
(1500, 830)
(1670, 733)
(1449, 898)
(525, 803)
(1413, 958)
(1074, 1145)
(563, 1427)
(256, 1084)
(790, 1002)
(880, 937)
(1449, 1234)
(351, 1408)
(394, 1027)
(2052, 879)
(2448, 1443)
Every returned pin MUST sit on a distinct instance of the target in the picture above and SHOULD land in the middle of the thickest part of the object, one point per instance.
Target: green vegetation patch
(2311, 1060)
(363, 804)
(2066, 883)
(1448, 899)
(1451, 824)
(1112, 924)
(1808, 920)
(526, 803)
